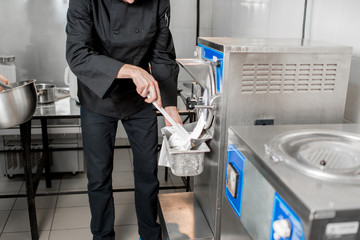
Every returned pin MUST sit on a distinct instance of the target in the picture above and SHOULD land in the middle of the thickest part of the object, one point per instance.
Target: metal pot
(18, 104)
(46, 92)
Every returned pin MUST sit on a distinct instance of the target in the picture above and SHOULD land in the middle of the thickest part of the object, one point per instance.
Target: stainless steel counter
(68, 107)
(65, 107)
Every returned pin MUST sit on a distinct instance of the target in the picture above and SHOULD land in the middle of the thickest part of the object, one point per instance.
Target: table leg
(46, 152)
(25, 132)
(166, 173)
(188, 184)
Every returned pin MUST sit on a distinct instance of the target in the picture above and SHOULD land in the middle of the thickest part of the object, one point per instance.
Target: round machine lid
(324, 154)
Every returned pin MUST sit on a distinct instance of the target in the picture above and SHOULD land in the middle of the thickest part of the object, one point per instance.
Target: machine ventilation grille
(288, 78)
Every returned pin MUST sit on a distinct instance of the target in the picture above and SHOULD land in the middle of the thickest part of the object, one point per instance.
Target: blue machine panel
(283, 211)
(234, 178)
(213, 55)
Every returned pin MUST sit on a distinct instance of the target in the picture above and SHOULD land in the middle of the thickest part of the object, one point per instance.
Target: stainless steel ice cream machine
(292, 182)
(246, 82)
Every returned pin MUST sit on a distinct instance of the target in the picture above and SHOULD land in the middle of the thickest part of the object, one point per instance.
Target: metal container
(46, 92)
(17, 105)
(186, 162)
(8, 68)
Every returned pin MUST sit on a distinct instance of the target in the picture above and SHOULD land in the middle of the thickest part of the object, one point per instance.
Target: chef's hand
(174, 114)
(4, 80)
(144, 82)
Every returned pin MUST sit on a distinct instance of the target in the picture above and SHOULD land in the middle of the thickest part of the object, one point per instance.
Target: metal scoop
(179, 129)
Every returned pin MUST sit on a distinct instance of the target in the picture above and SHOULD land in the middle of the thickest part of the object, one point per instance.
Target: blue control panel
(282, 211)
(234, 178)
(214, 56)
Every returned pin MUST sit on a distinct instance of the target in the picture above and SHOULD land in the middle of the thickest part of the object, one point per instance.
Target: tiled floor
(68, 216)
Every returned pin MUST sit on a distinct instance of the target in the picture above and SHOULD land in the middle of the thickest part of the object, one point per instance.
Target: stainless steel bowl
(46, 92)
(17, 105)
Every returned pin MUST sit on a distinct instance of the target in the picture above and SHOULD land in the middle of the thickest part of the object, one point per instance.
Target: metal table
(64, 108)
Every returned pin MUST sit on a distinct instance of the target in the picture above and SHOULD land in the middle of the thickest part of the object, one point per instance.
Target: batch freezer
(253, 82)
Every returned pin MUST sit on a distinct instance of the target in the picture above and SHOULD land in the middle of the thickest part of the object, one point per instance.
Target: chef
(4, 80)
(122, 51)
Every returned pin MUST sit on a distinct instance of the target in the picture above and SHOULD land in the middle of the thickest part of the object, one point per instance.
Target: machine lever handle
(213, 107)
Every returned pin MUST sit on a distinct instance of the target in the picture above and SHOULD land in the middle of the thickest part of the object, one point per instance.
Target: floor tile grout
(3, 228)
(53, 217)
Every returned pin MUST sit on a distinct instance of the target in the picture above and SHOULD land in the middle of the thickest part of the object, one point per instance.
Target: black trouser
(98, 132)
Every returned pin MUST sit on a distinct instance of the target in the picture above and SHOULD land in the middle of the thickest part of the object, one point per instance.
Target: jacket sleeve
(96, 71)
(163, 65)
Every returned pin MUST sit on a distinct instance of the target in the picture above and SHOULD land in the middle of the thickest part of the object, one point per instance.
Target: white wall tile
(205, 17)
(204, 32)
(183, 27)
(257, 18)
(185, 41)
(286, 19)
(183, 13)
(336, 21)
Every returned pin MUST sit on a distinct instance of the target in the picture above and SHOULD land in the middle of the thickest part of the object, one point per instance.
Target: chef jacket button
(135, 61)
(137, 30)
(116, 32)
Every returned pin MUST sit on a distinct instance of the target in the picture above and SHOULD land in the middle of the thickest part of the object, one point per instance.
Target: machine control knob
(282, 229)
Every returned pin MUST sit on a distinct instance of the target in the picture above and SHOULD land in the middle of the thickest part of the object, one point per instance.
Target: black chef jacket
(103, 35)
